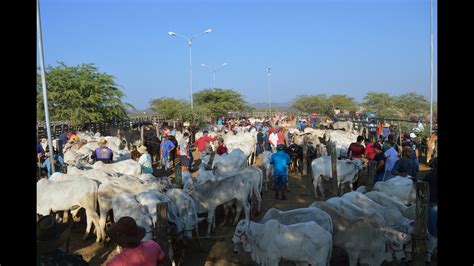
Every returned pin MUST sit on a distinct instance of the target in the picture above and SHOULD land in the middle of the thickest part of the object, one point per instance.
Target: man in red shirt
(281, 136)
(202, 142)
(128, 235)
(356, 149)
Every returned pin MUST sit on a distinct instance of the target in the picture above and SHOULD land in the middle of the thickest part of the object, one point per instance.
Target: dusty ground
(219, 251)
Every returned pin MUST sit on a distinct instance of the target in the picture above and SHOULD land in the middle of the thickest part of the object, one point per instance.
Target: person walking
(280, 161)
(184, 152)
(166, 147)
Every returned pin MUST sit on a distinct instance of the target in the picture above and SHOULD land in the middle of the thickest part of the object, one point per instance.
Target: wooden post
(305, 159)
(420, 236)
(162, 228)
(141, 134)
(371, 174)
(332, 144)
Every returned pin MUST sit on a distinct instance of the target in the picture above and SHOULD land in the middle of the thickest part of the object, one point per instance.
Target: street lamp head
(208, 30)
(224, 64)
(170, 33)
(203, 65)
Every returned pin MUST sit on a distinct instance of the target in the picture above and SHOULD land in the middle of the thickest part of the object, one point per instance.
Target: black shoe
(276, 196)
(283, 197)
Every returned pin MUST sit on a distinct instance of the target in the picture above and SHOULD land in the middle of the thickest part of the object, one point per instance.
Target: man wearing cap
(135, 252)
(379, 159)
(280, 161)
(405, 166)
(145, 160)
(103, 153)
(410, 141)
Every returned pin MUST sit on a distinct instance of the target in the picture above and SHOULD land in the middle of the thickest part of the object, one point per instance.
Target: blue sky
(312, 47)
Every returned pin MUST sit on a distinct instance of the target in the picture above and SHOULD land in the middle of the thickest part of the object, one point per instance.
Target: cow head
(395, 242)
(189, 187)
(242, 236)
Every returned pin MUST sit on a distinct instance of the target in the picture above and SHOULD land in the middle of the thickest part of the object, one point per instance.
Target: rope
(212, 237)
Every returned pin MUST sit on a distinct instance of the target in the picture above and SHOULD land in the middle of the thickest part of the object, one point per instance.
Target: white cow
(348, 208)
(128, 167)
(226, 163)
(298, 216)
(345, 125)
(266, 157)
(186, 210)
(209, 195)
(400, 188)
(115, 186)
(392, 217)
(268, 243)
(63, 195)
(125, 204)
(245, 141)
(389, 202)
(347, 172)
(363, 242)
(150, 199)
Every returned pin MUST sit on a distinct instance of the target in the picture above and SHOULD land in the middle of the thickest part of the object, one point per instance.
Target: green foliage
(171, 108)
(382, 104)
(323, 104)
(413, 104)
(217, 102)
(343, 102)
(80, 94)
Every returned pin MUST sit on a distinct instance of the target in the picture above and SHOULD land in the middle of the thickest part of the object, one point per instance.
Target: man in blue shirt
(166, 147)
(280, 161)
(62, 141)
(58, 163)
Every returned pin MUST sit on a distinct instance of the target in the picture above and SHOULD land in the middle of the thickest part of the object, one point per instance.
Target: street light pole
(269, 95)
(190, 43)
(214, 71)
(43, 83)
(431, 68)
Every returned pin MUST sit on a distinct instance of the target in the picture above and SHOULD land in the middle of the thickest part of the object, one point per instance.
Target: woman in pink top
(135, 252)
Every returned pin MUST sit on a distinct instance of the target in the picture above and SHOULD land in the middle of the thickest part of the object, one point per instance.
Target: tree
(217, 102)
(413, 104)
(382, 104)
(80, 94)
(171, 108)
(311, 104)
(343, 102)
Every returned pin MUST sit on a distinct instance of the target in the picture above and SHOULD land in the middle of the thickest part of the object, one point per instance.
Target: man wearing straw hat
(128, 235)
(145, 160)
(103, 153)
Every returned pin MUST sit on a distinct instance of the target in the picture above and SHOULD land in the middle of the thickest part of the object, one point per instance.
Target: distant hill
(278, 106)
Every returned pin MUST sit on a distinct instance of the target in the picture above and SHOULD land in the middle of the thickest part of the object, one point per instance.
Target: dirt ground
(218, 251)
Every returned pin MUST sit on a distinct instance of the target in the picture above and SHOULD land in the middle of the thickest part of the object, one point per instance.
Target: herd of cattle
(371, 227)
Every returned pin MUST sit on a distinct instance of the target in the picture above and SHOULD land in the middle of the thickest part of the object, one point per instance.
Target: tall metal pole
(191, 75)
(214, 78)
(431, 69)
(43, 81)
(269, 95)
